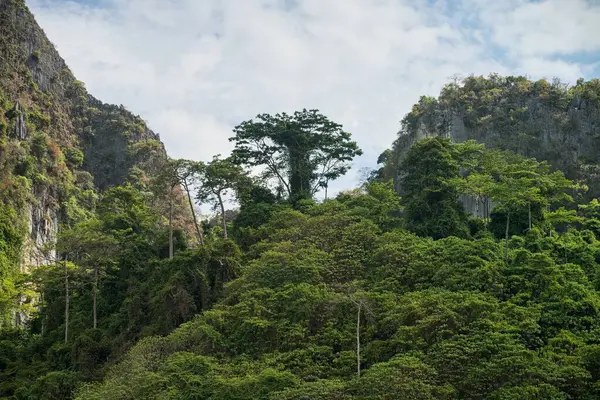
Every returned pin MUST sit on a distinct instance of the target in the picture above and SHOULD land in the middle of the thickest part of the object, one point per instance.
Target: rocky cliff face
(47, 121)
(545, 120)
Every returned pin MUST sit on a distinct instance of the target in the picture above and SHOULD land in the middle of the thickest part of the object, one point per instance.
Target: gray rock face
(20, 128)
(546, 121)
(37, 248)
(41, 234)
(478, 208)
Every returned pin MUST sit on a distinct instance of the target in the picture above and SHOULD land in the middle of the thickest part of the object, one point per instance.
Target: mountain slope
(545, 120)
(47, 122)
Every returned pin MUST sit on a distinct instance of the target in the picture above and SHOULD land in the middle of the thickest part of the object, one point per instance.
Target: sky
(193, 69)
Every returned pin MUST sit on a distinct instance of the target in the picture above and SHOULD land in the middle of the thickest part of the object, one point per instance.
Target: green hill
(112, 288)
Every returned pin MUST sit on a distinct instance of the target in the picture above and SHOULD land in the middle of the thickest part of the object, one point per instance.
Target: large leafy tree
(520, 186)
(429, 193)
(302, 151)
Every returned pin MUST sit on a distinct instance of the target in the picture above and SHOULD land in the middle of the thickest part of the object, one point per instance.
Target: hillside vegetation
(549, 121)
(59, 147)
(466, 267)
(365, 296)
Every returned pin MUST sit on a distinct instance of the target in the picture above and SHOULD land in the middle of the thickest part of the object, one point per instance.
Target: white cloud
(194, 69)
(567, 71)
(192, 133)
(552, 27)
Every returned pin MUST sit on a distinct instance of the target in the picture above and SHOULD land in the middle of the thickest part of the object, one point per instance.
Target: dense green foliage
(450, 318)
(337, 300)
(116, 261)
(370, 295)
(303, 152)
(429, 195)
(58, 145)
(545, 120)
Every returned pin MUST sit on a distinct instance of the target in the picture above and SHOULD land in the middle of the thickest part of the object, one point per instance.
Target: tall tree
(92, 249)
(219, 176)
(164, 184)
(186, 173)
(363, 306)
(429, 193)
(303, 151)
(514, 193)
(66, 300)
(178, 174)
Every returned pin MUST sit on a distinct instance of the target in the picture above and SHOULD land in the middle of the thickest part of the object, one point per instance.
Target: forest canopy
(466, 265)
(369, 295)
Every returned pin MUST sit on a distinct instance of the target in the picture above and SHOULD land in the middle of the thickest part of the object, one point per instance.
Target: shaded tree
(185, 173)
(428, 190)
(91, 248)
(521, 185)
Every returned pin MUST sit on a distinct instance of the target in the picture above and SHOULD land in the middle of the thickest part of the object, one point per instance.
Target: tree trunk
(358, 340)
(171, 224)
(43, 327)
(94, 297)
(506, 236)
(484, 211)
(198, 231)
(299, 171)
(222, 215)
(487, 210)
(66, 300)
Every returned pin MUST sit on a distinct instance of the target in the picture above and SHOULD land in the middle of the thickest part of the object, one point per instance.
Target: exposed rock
(20, 127)
(42, 231)
(546, 121)
(47, 99)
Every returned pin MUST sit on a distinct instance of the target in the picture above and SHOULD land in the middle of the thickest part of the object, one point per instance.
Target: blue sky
(195, 68)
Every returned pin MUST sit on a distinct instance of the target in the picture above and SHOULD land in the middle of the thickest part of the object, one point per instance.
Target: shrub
(74, 157)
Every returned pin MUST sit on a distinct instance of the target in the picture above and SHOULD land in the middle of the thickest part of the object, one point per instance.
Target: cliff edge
(544, 120)
(59, 146)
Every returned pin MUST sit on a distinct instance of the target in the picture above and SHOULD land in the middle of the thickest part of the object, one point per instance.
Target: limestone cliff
(545, 120)
(48, 121)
